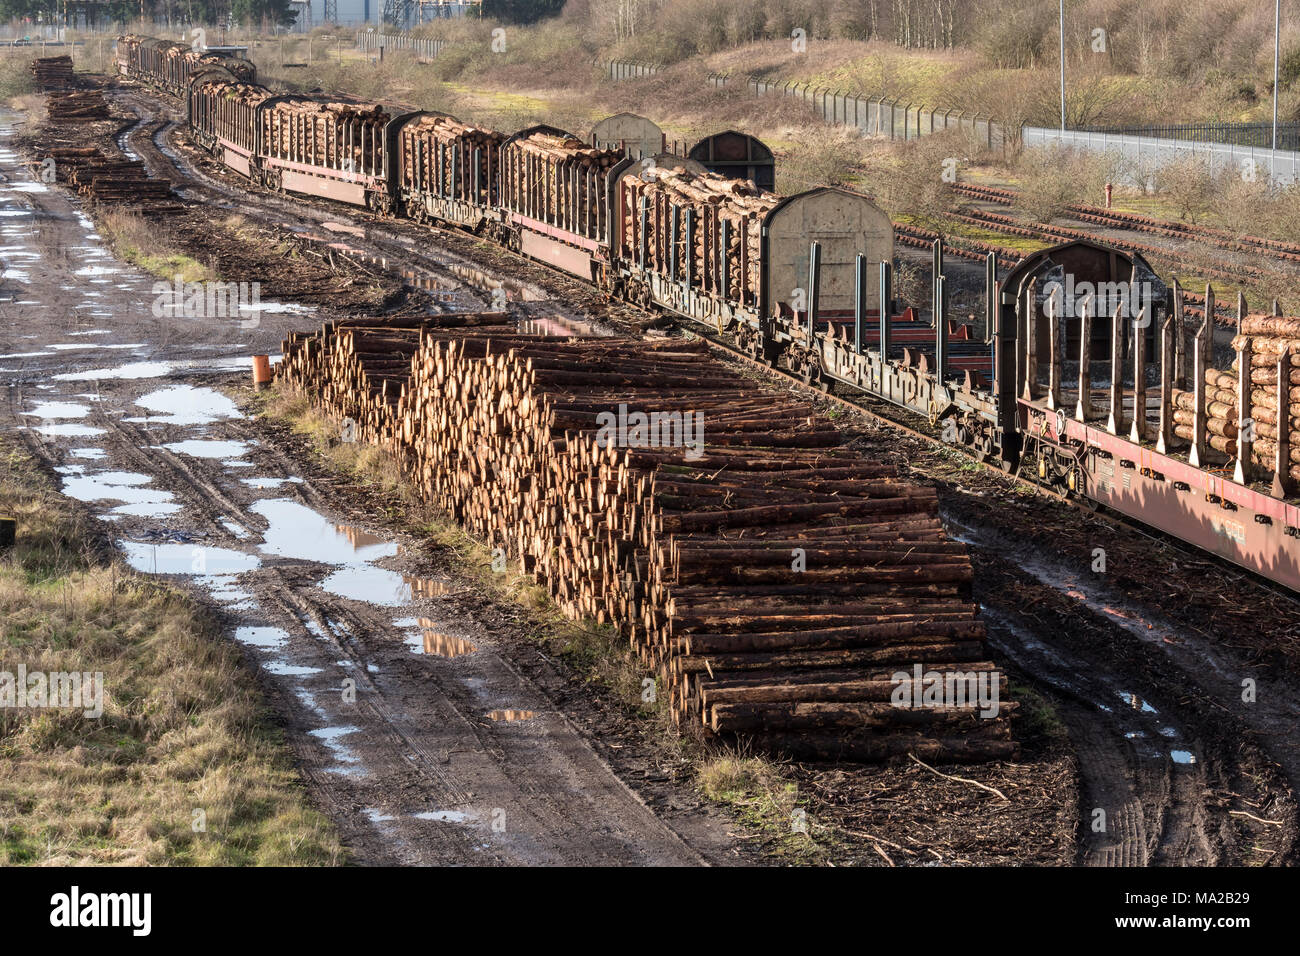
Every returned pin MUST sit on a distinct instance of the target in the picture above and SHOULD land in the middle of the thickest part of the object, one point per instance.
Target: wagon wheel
(810, 370)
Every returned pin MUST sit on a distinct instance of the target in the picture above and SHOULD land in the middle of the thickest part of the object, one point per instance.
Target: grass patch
(184, 766)
(764, 799)
(133, 240)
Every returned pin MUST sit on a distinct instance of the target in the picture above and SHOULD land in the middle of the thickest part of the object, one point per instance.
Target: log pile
(774, 581)
(53, 72)
(122, 182)
(80, 106)
(1268, 338)
(428, 145)
(558, 180)
(69, 159)
(343, 136)
(720, 209)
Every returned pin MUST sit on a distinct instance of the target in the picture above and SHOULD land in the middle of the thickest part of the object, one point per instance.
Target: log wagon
(556, 197)
(445, 169)
(222, 114)
(331, 149)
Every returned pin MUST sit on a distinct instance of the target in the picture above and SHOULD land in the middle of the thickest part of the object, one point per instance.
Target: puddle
(128, 371)
(442, 645)
(67, 430)
(511, 715)
(133, 370)
(446, 816)
(329, 736)
(296, 531)
(237, 530)
(1136, 702)
(269, 482)
(92, 454)
(283, 669)
(1182, 756)
(380, 586)
(58, 410)
(124, 486)
(186, 559)
(267, 638)
(160, 510)
(208, 448)
(224, 589)
(376, 816)
(186, 405)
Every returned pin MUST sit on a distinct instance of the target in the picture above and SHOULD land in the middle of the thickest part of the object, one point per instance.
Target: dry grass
(134, 240)
(183, 739)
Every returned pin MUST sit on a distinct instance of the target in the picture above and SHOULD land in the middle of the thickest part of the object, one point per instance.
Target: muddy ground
(323, 583)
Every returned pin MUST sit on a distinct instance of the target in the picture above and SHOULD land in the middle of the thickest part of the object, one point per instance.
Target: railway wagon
(1159, 435)
(556, 197)
(170, 65)
(181, 64)
(445, 169)
(1159, 442)
(639, 137)
(334, 150)
(126, 54)
(222, 114)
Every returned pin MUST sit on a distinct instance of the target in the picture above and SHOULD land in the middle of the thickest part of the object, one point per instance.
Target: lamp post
(1277, 39)
(1063, 65)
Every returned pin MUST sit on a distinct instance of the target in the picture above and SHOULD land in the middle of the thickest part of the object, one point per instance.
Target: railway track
(1286, 251)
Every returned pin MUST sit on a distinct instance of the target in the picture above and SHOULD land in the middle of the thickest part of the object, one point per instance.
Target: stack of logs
(1270, 337)
(424, 140)
(68, 160)
(53, 72)
(122, 182)
(773, 580)
(86, 105)
(558, 180)
(712, 201)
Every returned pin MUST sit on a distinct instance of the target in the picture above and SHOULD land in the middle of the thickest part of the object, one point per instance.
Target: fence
(1236, 134)
(628, 70)
(424, 46)
(1148, 153)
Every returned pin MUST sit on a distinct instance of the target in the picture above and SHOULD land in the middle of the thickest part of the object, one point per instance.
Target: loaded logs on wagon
(675, 223)
(555, 178)
(447, 158)
(773, 580)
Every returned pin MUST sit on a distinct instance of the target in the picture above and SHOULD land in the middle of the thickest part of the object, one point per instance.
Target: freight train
(803, 281)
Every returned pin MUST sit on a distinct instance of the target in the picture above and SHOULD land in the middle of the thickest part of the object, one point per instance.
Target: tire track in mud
(1155, 750)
